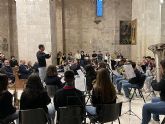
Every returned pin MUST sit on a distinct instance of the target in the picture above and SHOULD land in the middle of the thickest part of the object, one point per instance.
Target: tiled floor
(136, 105)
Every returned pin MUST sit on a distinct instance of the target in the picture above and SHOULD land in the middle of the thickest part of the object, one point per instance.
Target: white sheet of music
(80, 81)
(129, 72)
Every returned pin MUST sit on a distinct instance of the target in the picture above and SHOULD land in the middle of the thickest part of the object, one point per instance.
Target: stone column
(163, 22)
(34, 27)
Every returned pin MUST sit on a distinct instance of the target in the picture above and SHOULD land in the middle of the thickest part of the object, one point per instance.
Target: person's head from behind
(3, 82)
(133, 65)
(103, 82)
(51, 71)
(69, 77)
(6, 63)
(23, 62)
(102, 65)
(90, 69)
(94, 52)
(162, 67)
(12, 57)
(34, 82)
(41, 47)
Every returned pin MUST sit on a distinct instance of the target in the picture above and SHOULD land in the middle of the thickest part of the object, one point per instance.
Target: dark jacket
(9, 72)
(53, 80)
(89, 80)
(41, 57)
(97, 99)
(68, 96)
(160, 86)
(137, 79)
(6, 107)
(24, 72)
(31, 99)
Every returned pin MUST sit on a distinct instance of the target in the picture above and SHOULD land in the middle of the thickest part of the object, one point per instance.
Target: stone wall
(82, 33)
(148, 15)
(34, 28)
(163, 22)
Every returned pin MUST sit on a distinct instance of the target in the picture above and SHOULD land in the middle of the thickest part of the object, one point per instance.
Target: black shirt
(53, 80)
(160, 86)
(6, 107)
(63, 97)
(41, 57)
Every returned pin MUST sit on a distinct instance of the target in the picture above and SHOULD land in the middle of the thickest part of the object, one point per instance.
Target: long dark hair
(51, 71)
(104, 85)
(3, 82)
(34, 83)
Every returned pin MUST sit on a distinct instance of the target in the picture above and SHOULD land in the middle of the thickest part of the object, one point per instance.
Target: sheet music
(80, 73)
(80, 81)
(129, 72)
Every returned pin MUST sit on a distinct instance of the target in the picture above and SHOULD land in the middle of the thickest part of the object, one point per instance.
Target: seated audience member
(13, 62)
(90, 77)
(102, 65)
(133, 82)
(157, 106)
(6, 101)
(23, 70)
(68, 95)
(103, 92)
(34, 95)
(52, 77)
(7, 69)
(35, 67)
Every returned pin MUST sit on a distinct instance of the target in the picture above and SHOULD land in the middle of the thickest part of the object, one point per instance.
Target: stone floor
(136, 105)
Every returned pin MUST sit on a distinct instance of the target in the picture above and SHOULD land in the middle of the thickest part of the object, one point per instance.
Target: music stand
(130, 112)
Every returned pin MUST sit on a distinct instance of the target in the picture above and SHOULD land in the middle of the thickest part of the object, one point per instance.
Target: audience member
(34, 95)
(68, 95)
(6, 101)
(157, 106)
(103, 92)
(94, 56)
(13, 61)
(90, 77)
(24, 72)
(52, 77)
(7, 69)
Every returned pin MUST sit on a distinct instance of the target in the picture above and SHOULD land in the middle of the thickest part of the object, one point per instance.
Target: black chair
(70, 115)
(33, 116)
(9, 119)
(51, 89)
(107, 113)
(139, 88)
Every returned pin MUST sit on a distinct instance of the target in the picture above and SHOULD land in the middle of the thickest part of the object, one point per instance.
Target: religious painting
(125, 32)
(133, 31)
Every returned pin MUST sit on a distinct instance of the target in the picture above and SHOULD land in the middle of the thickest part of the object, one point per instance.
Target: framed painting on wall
(125, 32)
